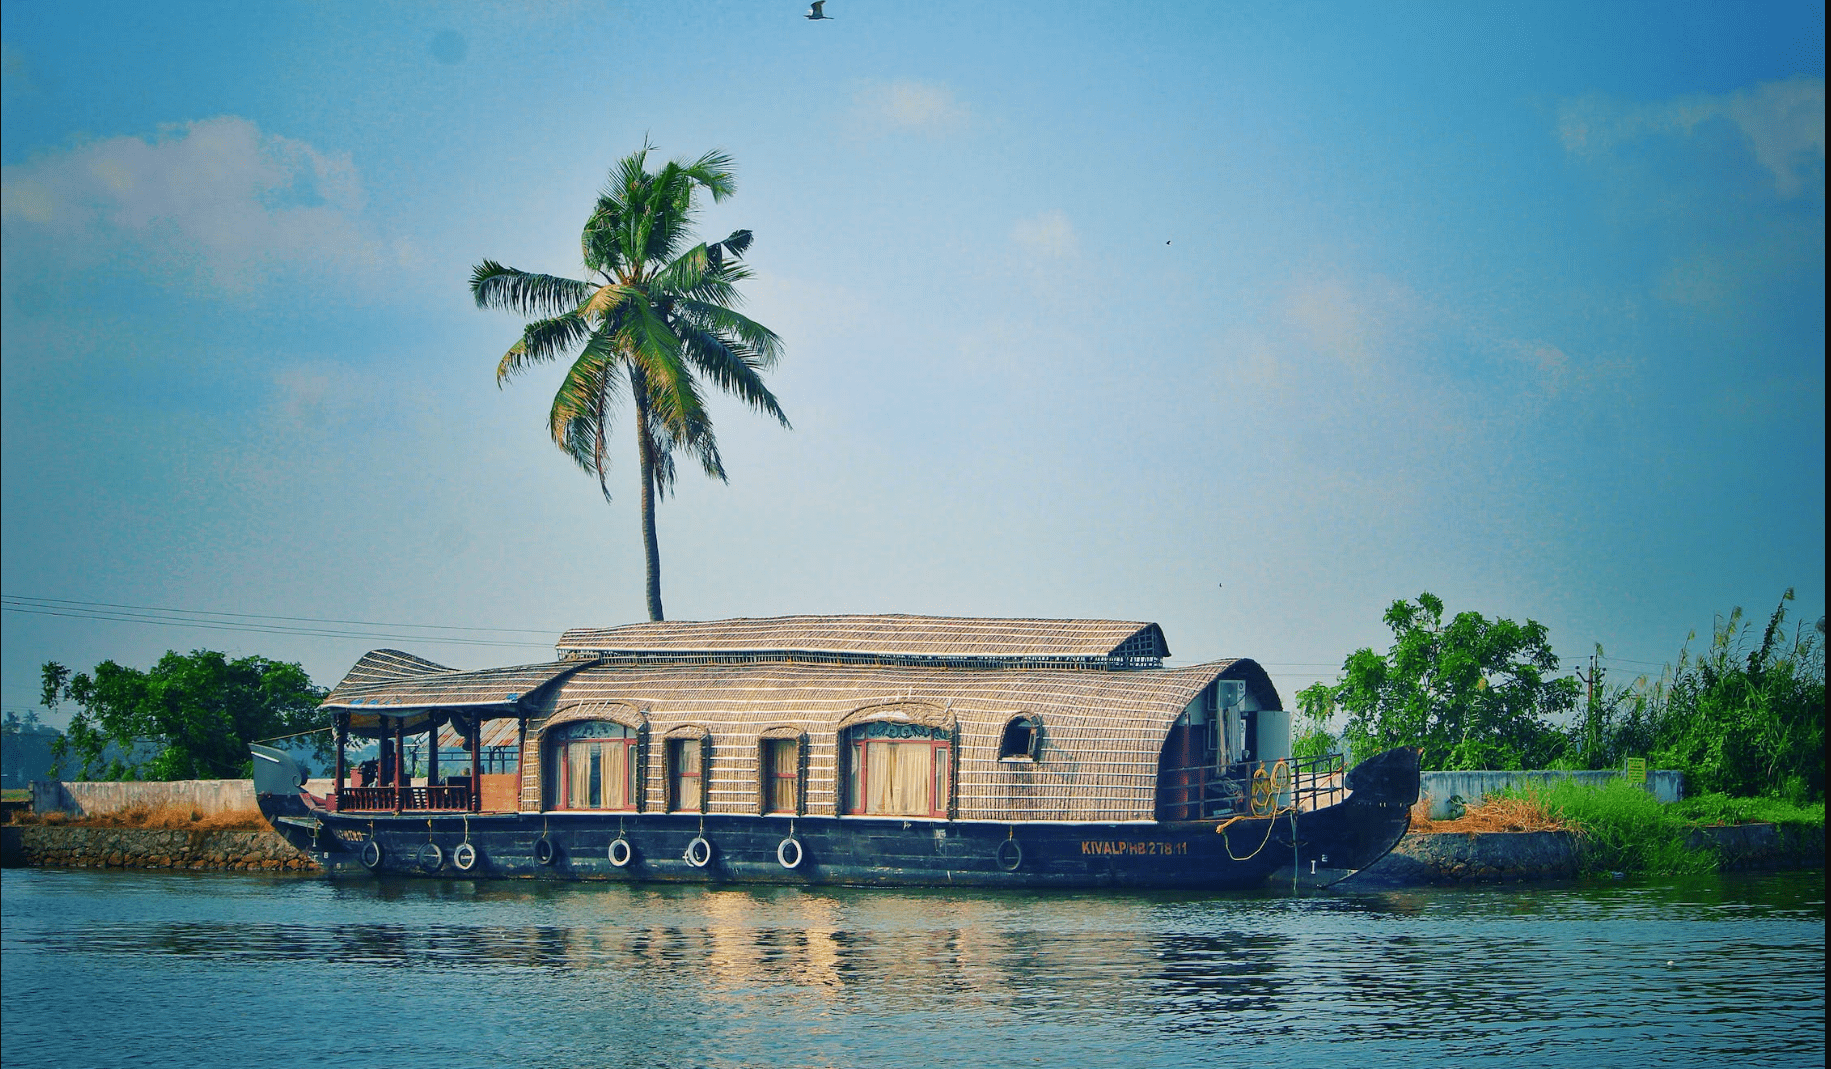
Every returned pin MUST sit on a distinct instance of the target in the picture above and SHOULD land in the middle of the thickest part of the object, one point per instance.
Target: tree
(650, 318)
(1475, 693)
(201, 710)
(1749, 722)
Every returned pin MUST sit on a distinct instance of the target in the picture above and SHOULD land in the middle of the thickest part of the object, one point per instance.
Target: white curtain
(687, 778)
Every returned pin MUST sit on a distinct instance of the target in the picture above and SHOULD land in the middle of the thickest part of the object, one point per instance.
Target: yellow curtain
(616, 775)
(880, 759)
(914, 778)
(784, 767)
(899, 778)
(578, 768)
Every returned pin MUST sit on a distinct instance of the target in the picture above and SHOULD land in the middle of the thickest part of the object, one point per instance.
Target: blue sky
(1246, 319)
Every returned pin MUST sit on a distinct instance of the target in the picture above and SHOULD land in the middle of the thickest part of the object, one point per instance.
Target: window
(686, 775)
(898, 770)
(781, 772)
(591, 765)
(1019, 740)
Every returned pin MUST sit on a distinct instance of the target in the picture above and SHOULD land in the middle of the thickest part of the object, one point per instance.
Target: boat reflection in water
(743, 976)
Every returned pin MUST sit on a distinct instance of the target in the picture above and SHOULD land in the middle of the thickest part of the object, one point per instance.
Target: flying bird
(815, 12)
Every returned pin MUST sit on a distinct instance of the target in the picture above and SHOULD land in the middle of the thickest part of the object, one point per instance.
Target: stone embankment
(1511, 856)
(64, 846)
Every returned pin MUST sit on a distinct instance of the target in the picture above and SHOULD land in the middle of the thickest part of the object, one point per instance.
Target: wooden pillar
(340, 727)
(432, 755)
(402, 782)
(476, 765)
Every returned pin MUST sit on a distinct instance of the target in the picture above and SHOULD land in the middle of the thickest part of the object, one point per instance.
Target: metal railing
(1248, 788)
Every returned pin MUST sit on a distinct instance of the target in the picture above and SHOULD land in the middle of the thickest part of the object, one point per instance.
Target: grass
(1722, 809)
(157, 818)
(1624, 828)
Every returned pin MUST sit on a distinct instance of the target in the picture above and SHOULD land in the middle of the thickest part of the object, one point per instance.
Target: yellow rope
(1271, 822)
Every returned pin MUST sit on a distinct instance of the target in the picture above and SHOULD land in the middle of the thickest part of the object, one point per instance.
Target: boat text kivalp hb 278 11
(890, 750)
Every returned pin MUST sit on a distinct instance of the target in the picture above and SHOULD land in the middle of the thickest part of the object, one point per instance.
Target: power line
(109, 616)
(21, 598)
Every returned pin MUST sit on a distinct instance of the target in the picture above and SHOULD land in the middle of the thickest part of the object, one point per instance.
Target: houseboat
(858, 750)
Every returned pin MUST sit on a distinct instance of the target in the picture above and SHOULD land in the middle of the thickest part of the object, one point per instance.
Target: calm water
(129, 969)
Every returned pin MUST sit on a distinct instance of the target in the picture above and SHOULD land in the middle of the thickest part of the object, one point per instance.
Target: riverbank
(1440, 858)
(72, 846)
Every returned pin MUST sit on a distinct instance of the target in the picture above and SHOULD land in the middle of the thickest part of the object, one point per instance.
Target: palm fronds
(657, 313)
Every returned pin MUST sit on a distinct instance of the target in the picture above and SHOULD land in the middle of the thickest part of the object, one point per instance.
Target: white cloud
(216, 203)
(1782, 122)
(1049, 235)
(928, 107)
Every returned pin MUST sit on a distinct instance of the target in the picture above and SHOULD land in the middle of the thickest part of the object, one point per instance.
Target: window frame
(940, 771)
(769, 777)
(560, 774)
(1029, 756)
(676, 749)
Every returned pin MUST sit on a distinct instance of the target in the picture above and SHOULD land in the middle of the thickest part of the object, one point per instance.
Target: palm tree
(646, 323)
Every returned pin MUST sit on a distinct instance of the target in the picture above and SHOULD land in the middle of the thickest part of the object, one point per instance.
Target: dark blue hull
(1315, 847)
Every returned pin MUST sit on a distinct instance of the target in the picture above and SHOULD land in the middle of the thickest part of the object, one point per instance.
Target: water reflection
(1553, 974)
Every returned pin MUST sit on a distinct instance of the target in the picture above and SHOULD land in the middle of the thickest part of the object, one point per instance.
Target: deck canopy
(389, 689)
(890, 639)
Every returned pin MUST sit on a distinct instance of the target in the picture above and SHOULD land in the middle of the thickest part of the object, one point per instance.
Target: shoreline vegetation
(1620, 827)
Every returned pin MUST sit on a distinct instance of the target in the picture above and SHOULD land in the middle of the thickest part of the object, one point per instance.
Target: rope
(300, 735)
(1227, 843)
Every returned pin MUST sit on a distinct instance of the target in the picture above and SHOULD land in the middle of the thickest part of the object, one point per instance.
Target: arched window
(591, 764)
(1019, 741)
(897, 769)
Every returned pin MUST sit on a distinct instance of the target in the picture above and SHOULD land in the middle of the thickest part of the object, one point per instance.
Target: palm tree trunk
(645, 452)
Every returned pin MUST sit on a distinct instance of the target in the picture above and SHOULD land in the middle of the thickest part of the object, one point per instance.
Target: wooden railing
(388, 799)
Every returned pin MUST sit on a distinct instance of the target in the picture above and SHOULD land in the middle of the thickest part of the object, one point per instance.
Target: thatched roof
(384, 666)
(949, 638)
(492, 690)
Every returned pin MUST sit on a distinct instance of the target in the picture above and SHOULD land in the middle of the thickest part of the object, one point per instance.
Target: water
(163, 969)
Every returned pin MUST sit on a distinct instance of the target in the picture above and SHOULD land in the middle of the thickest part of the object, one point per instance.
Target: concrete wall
(1440, 787)
(204, 795)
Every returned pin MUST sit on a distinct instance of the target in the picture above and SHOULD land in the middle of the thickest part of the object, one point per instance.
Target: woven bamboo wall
(1102, 731)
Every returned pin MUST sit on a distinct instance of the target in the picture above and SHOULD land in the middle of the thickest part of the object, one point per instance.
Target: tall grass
(1626, 829)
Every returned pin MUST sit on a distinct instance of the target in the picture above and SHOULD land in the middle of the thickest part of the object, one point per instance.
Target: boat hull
(1316, 847)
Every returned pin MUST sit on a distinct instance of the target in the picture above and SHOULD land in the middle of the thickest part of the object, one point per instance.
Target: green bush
(1741, 718)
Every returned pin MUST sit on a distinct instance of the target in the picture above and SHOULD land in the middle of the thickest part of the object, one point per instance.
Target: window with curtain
(781, 773)
(686, 774)
(898, 770)
(591, 765)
